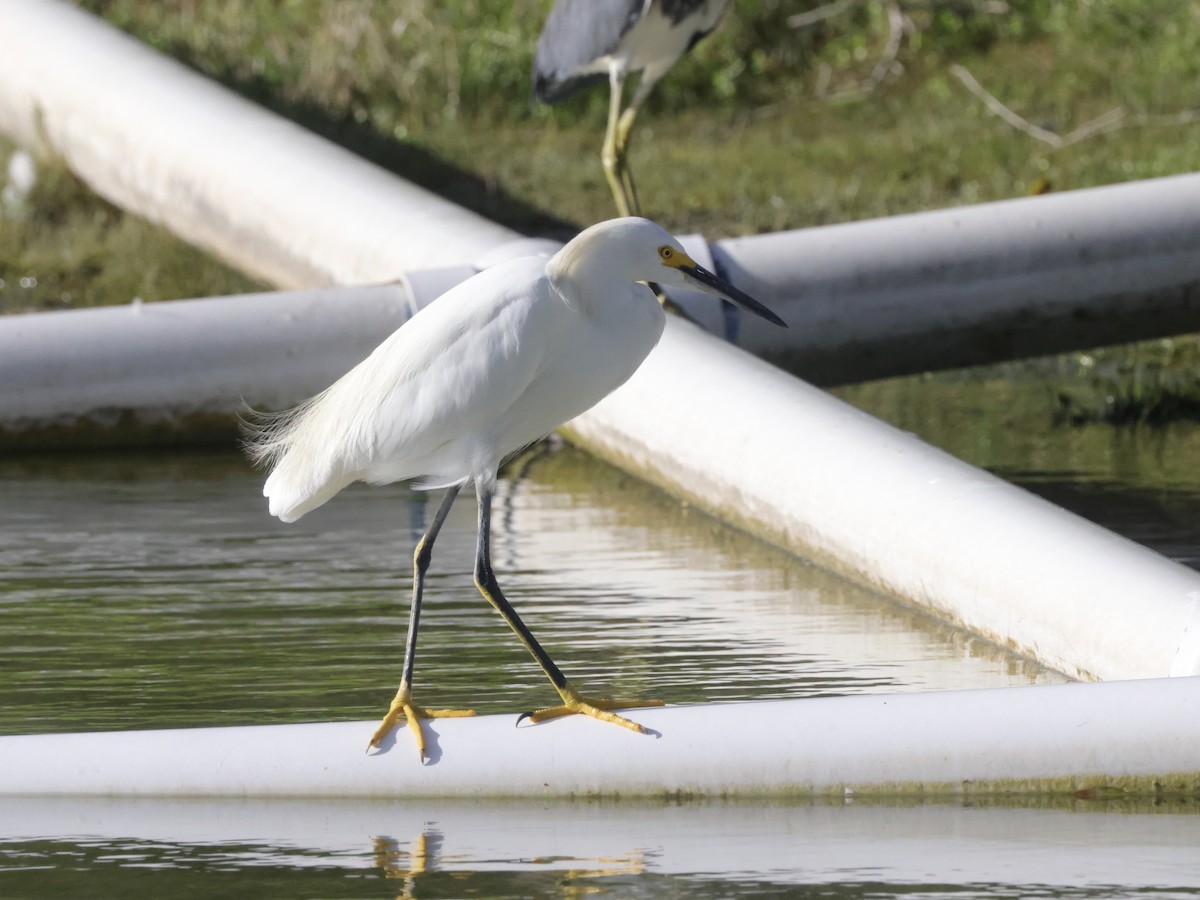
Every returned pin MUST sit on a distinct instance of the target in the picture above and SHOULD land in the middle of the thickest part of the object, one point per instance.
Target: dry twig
(999, 109)
(821, 13)
(829, 10)
(1113, 120)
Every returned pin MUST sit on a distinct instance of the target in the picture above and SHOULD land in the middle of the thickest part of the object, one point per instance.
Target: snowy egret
(588, 40)
(488, 368)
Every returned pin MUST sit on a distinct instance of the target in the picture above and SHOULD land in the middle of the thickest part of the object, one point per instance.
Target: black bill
(711, 284)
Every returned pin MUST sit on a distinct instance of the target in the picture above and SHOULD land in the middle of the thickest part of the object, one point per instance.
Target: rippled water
(194, 848)
(152, 590)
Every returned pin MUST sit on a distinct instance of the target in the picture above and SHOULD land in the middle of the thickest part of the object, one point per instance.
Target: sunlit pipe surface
(791, 464)
(158, 139)
(743, 440)
(1052, 738)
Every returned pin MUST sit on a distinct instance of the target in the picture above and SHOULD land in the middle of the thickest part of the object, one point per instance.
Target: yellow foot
(403, 708)
(574, 704)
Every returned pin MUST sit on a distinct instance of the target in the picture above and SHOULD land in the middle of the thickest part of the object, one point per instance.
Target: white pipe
(744, 441)
(1140, 850)
(960, 287)
(261, 192)
(1138, 736)
(787, 462)
(167, 360)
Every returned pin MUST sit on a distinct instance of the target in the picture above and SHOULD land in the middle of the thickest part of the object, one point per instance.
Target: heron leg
(624, 126)
(402, 705)
(573, 701)
(613, 153)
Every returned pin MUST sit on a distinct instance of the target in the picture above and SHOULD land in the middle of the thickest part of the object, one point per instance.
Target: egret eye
(665, 253)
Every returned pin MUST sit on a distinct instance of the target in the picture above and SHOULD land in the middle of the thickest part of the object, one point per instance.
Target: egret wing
(421, 400)
(444, 416)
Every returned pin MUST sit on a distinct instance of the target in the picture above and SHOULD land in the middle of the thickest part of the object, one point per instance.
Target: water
(247, 848)
(149, 591)
(152, 590)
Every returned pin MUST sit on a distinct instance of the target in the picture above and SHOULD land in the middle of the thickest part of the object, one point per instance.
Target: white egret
(588, 40)
(488, 368)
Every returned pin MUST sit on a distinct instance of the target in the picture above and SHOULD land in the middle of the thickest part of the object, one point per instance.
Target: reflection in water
(419, 862)
(195, 848)
(152, 591)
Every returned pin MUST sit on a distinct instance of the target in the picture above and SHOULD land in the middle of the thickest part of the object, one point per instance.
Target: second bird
(590, 40)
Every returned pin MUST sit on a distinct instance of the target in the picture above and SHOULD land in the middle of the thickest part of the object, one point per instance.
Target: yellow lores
(488, 368)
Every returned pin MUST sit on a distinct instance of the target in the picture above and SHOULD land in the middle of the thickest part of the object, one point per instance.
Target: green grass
(759, 129)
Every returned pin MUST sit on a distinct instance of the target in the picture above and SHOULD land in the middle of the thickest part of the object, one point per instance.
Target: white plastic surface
(735, 436)
(975, 284)
(888, 743)
(865, 299)
(163, 360)
(753, 446)
(160, 140)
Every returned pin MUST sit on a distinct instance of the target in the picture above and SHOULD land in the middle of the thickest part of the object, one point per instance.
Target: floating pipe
(978, 284)
(1136, 737)
(806, 471)
(174, 359)
(745, 441)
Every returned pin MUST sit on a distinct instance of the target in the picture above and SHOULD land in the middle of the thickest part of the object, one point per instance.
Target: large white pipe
(791, 464)
(168, 360)
(160, 140)
(1140, 737)
(959, 287)
(737, 437)
(159, 361)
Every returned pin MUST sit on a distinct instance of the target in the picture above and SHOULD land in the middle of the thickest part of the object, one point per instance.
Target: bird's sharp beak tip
(711, 284)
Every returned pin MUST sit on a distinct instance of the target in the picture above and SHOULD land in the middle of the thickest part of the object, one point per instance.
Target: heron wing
(577, 34)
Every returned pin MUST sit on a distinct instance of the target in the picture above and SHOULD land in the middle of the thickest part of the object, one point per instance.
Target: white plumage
(489, 367)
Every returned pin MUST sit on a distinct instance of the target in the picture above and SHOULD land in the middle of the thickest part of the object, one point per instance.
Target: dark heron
(589, 40)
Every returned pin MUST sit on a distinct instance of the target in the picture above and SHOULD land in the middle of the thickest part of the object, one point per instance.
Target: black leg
(421, 557)
(403, 706)
(485, 580)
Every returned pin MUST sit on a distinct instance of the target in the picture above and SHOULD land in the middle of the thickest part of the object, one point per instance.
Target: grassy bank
(764, 127)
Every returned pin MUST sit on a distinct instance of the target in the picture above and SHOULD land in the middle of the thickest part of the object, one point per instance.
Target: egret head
(645, 251)
(680, 269)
